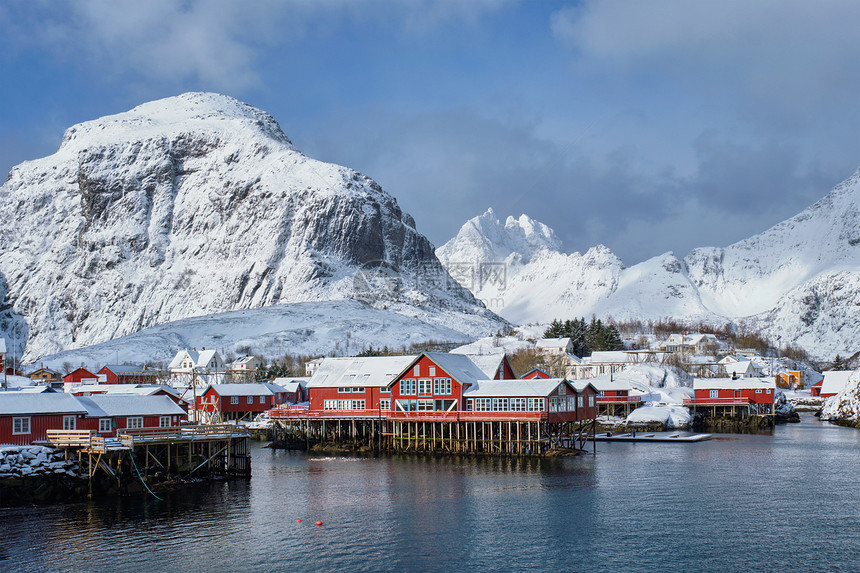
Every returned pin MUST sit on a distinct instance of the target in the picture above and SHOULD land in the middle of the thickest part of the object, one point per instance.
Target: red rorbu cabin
(80, 376)
(108, 413)
(27, 417)
(127, 374)
(240, 401)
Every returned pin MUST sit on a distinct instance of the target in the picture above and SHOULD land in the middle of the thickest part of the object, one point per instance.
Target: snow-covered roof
(534, 387)
(33, 389)
(372, 371)
(741, 367)
(608, 383)
(260, 389)
(124, 368)
(245, 360)
(729, 384)
(581, 385)
(552, 343)
(200, 359)
(2, 345)
(458, 366)
(835, 381)
(608, 357)
(42, 403)
(488, 363)
(291, 384)
(136, 389)
(104, 405)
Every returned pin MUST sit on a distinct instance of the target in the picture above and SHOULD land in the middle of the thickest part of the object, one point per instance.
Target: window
(262, 399)
(713, 393)
(426, 405)
(483, 404)
(519, 404)
(500, 404)
(425, 386)
(358, 404)
(580, 401)
(344, 390)
(758, 390)
(432, 371)
(250, 399)
(329, 404)
(234, 399)
(407, 387)
(417, 370)
(562, 390)
(344, 404)
(68, 422)
(20, 425)
(536, 404)
(442, 386)
(470, 404)
(164, 422)
(134, 423)
(105, 425)
(385, 405)
(768, 390)
(591, 401)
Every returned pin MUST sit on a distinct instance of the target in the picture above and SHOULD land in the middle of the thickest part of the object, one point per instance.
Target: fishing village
(128, 429)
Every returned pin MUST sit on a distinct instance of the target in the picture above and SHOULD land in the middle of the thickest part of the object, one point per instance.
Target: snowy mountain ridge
(797, 282)
(199, 204)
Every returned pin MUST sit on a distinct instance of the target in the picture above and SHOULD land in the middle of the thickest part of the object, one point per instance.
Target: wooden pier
(163, 454)
(529, 434)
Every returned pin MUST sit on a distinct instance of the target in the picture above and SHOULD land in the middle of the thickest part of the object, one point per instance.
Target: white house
(551, 347)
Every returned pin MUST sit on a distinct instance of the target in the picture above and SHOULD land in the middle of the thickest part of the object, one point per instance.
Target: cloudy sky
(645, 126)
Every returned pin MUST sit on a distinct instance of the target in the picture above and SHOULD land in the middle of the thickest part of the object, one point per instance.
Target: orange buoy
(319, 522)
(298, 521)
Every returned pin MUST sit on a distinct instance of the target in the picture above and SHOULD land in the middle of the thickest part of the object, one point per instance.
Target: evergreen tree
(838, 364)
(555, 330)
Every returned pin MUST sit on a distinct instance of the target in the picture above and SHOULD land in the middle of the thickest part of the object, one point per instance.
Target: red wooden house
(27, 417)
(240, 401)
(80, 376)
(355, 384)
(126, 374)
(815, 389)
(553, 399)
(296, 389)
(757, 394)
(535, 373)
(109, 413)
(133, 389)
(614, 395)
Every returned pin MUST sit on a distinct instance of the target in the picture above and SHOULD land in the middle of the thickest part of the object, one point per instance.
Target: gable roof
(488, 363)
(732, 384)
(105, 405)
(458, 366)
(254, 389)
(123, 368)
(41, 403)
(835, 381)
(371, 371)
(291, 384)
(536, 387)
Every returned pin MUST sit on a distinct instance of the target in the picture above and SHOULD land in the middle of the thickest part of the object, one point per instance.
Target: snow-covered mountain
(199, 204)
(798, 282)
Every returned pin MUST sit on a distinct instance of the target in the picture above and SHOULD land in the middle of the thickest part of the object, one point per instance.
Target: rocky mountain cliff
(798, 282)
(199, 204)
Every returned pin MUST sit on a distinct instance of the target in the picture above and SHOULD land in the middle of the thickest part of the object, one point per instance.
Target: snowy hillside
(199, 204)
(798, 282)
(308, 328)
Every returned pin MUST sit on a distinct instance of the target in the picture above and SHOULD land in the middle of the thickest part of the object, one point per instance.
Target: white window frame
(713, 393)
(580, 400)
(105, 425)
(234, 400)
(408, 387)
(262, 399)
(21, 425)
(134, 423)
(385, 404)
(425, 386)
(164, 422)
(250, 400)
(519, 404)
(442, 386)
(359, 405)
(591, 401)
(70, 422)
(500, 404)
(536, 404)
(483, 404)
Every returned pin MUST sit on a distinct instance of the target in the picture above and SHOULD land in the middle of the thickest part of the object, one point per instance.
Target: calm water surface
(789, 501)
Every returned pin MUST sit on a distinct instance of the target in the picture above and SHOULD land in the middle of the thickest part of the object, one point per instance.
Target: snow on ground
(672, 417)
(846, 404)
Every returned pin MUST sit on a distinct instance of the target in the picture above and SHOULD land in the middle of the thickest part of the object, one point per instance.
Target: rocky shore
(37, 474)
